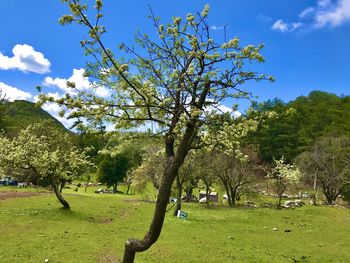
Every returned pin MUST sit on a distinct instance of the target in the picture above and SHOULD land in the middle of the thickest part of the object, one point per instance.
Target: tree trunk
(233, 196)
(189, 192)
(227, 193)
(178, 197)
(87, 183)
(60, 197)
(172, 168)
(330, 198)
(127, 190)
(62, 184)
(279, 201)
(133, 245)
(115, 186)
(207, 193)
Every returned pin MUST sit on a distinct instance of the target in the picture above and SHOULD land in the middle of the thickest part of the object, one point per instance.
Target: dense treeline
(134, 158)
(300, 123)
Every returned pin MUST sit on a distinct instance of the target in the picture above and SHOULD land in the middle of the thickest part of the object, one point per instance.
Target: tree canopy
(41, 152)
(177, 81)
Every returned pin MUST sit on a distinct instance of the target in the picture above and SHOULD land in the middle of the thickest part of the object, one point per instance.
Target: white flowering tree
(282, 176)
(46, 153)
(171, 81)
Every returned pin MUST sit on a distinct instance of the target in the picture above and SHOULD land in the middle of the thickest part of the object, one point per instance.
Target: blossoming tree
(282, 176)
(171, 81)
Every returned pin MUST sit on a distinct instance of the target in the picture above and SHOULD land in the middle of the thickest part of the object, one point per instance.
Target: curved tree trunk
(60, 196)
(174, 161)
(133, 245)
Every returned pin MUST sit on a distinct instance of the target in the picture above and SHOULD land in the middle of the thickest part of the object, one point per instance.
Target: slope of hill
(19, 114)
(301, 122)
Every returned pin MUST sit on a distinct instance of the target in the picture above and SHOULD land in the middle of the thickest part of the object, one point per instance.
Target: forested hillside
(19, 114)
(299, 123)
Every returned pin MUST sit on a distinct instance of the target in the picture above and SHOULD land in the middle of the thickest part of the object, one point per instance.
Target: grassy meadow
(33, 229)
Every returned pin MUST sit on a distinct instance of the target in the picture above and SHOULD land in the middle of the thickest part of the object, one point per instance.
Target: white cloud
(295, 26)
(102, 92)
(325, 13)
(306, 12)
(279, 25)
(52, 108)
(25, 59)
(81, 83)
(13, 93)
(215, 27)
(333, 15)
(282, 26)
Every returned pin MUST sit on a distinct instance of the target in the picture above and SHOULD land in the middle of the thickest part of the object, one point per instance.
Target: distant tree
(46, 153)
(112, 170)
(328, 163)
(151, 169)
(171, 81)
(204, 173)
(235, 172)
(184, 177)
(283, 176)
(114, 167)
(189, 185)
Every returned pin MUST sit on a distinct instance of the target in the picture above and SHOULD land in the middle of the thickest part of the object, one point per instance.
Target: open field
(33, 229)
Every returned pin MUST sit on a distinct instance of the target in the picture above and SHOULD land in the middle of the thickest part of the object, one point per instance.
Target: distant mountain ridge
(20, 113)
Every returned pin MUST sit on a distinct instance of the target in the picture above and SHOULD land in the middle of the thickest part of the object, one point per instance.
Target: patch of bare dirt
(109, 259)
(7, 195)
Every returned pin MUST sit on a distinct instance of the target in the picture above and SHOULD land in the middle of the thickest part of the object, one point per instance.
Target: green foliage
(112, 170)
(41, 153)
(19, 114)
(299, 123)
(114, 167)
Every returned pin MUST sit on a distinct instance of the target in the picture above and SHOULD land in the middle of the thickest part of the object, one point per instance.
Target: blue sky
(307, 42)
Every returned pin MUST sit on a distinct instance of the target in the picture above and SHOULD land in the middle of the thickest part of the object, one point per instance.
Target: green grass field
(35, 228)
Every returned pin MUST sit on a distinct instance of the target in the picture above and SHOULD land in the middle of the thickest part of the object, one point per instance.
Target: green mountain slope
(301, 122)
(19, 114)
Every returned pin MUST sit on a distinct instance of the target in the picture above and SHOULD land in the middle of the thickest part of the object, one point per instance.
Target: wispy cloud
(324, 3)
(282, 26)
(334, 15)
(324, 13)
(264, 18)
(306, 12)
(25, 59)
(215, 27)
